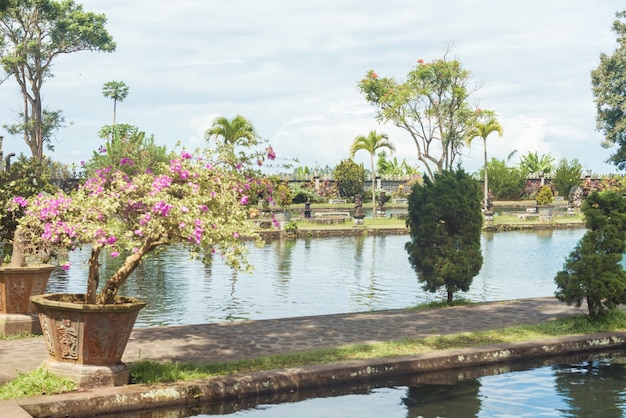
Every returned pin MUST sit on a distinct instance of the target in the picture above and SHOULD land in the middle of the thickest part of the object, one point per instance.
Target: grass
(16, 336)
(37, 382)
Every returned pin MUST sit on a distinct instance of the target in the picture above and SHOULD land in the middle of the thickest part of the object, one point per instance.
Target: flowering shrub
(196, 201)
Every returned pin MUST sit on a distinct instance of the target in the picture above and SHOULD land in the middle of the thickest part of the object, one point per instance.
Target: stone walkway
(239, 340)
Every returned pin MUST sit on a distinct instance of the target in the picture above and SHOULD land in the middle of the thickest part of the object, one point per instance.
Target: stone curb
(186, 394)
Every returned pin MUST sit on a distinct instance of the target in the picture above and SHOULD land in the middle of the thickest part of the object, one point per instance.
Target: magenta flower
(271, 155)
(244, 200)
(115, 254)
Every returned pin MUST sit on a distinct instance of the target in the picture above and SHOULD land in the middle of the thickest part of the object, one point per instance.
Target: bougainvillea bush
(197, 201)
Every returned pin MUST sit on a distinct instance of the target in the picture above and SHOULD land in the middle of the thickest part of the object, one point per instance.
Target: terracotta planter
(86, 342)
(18, 284)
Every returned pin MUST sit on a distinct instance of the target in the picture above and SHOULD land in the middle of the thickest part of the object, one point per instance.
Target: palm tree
(483, 130)
(116, 90)
(371, 143)
(532, 163)
(235, 131)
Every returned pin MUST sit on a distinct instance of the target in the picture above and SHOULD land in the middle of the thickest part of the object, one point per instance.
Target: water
(323, 276)
(581, 385)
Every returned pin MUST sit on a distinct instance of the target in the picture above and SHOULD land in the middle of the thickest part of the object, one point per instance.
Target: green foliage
(593, 271)
(608, 82)
(282, 195)
(32, 34)
(393, 167)
(432, 105)
(532, 163)
(304, 192)
(26, 177)
(566, 176)
(545, 196)
(505, 182)
(445, 220)
(349, 178)
(35, 383)
(129, 150)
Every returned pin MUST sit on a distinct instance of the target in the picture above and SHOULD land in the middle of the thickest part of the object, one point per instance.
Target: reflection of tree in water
(593, 388)
(458, 400)
(366, 295)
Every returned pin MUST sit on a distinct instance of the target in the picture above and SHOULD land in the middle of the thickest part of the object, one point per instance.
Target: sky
(292, 68)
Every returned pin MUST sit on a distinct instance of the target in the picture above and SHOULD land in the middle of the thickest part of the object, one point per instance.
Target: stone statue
(358, 210)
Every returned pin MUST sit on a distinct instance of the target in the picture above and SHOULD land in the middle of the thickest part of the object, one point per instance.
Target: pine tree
(593, 271)
(445, 220)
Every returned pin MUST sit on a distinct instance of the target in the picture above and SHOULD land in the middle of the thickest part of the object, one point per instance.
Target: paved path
(239, 340)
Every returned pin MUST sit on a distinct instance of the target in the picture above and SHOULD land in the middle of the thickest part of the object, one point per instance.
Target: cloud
(292, 68)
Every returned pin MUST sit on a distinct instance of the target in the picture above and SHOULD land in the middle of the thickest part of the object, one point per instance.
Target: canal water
(582, 385)
(318, 276)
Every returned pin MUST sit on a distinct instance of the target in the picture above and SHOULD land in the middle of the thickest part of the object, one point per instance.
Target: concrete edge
(189, 393)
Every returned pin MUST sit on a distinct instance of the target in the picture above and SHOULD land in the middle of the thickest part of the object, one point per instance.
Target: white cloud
(292, 69)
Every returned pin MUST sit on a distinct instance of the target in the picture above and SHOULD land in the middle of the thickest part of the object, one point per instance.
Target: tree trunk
(373, 187)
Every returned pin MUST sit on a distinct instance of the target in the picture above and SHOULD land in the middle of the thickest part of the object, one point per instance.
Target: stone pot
(17, 285)
(545, 213)
(86, 342)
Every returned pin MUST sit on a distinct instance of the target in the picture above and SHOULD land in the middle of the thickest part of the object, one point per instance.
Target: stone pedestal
(89, 376)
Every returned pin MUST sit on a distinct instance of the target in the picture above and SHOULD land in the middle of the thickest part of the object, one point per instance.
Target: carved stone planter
(17, 285)
(86, 342)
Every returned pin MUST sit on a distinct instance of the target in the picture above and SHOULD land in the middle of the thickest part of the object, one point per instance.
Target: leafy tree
(371, 143)
(505, 182)
(432, 105)
(127, 149)
(566, 176)
(532, 163)
(593, 271)
(349, 178)
(116, 90)
(545, 196)
(608, 82)
(486, 124)
(32, 34)
(446, 222)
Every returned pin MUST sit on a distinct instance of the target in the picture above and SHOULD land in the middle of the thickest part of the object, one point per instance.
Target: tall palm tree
(232, 132)
(483, 130)
(116, 90)
(371, 143)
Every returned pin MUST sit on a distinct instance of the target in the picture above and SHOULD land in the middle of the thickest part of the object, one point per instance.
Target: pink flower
(185, 155)
(22, 202)
(66, 266)
(115, 254)
(244, 200)
(271, 155)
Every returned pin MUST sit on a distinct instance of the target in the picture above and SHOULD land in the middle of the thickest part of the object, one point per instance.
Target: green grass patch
(148, 371)
(34, 383)
(16, 336)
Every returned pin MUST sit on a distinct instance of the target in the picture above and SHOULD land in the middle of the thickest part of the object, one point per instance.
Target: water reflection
(579, 385)
(318, 276)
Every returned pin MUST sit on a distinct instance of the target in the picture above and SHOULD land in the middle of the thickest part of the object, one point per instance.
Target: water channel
(582, 385)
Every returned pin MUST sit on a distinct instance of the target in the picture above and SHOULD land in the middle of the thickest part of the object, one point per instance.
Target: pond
(319, 276)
